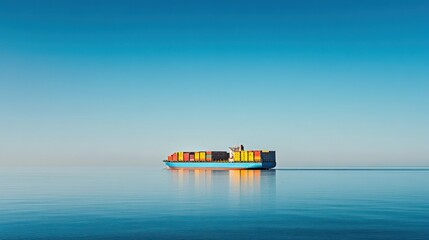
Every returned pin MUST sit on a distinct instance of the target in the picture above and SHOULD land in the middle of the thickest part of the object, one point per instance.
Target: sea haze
(156, 203)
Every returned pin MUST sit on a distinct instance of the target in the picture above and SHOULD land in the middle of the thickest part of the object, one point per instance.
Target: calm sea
(155, 203)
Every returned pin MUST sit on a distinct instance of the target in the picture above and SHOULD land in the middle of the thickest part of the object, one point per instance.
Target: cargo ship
(236, 158)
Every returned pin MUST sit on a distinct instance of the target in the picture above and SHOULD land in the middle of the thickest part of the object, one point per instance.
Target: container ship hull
(221, 165)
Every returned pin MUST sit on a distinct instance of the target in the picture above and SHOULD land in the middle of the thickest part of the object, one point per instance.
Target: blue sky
(324, 83)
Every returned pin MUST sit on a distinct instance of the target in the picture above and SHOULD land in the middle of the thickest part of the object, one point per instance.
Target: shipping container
(202, 156)
(197, 156)
(243, 156)
(170, 157)
(268, 156)
(174, 156)
(219, 155)
(209, 156)
(191, 156)
(186, 156)
(257, 156)
(250, 156)
(180, 156)
(237, 156)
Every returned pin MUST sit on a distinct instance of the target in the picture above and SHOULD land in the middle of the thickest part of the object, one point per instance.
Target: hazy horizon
(129, 82)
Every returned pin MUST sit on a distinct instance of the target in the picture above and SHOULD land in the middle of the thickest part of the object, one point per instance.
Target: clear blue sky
(324, 83)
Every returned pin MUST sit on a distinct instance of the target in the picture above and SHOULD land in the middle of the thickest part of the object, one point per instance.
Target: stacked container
(244, 156)
(268, 156)
(237, 156)
(257, 156)
(186, 156)
(220, 156)
(250, 156)
(202, 156)
(209, 156)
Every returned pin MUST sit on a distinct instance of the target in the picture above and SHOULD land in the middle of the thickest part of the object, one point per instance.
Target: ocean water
(156, 203)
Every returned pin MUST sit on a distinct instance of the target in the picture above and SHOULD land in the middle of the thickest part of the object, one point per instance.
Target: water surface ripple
(155, 203)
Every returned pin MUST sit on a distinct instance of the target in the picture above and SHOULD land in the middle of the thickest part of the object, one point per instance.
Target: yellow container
(250, 156)
(202, 156)
(180, 156)
(197, 156)
(237, 156)
(243, 155)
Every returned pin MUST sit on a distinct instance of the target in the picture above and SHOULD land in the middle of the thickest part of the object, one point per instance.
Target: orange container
(257, 156)
(186, 156)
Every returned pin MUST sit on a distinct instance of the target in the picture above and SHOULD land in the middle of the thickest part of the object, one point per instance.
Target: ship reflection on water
(144, 203)
(235, 185)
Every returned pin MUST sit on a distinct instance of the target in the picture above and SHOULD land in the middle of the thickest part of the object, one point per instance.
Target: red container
(170, 158)
(174, 156)
(191, 156)
(186, 156)
(257, 156)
